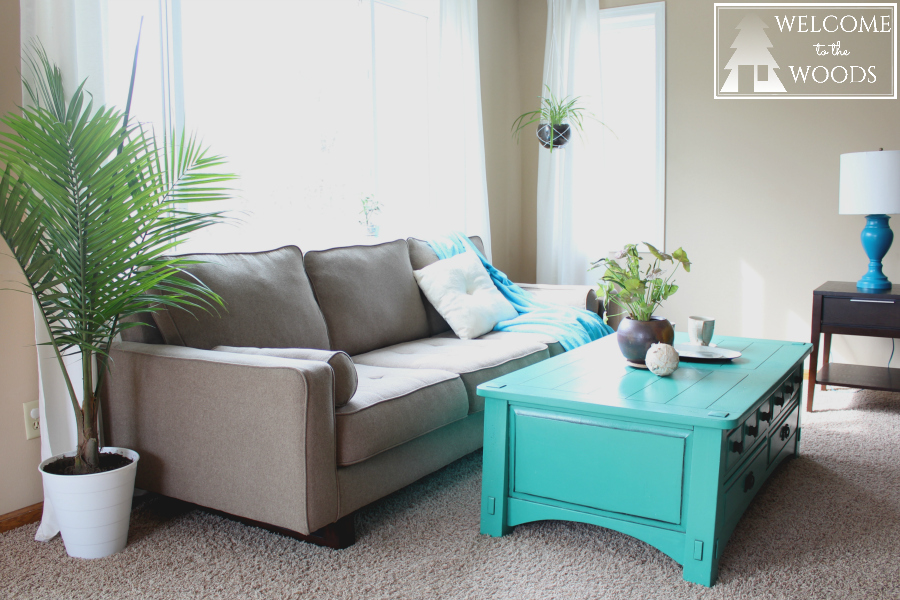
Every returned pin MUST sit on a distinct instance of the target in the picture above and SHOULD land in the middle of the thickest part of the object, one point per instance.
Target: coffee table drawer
(782, 432)
(745, 485)
(734, 447)
(616, 466)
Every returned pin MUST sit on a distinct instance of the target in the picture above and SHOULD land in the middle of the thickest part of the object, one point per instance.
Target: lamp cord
(892, 352)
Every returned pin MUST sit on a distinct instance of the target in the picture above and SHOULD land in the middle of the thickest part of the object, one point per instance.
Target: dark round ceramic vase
(561, 134)
(636, 337)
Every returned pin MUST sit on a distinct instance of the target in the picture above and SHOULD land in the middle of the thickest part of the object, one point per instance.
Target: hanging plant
(556, 118)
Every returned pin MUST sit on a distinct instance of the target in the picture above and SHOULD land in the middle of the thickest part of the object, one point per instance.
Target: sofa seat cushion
(393, 406)
(345, 378)
(553, 346)
(476, 361)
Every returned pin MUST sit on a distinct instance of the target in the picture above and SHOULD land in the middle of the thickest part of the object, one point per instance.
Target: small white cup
(700, 330)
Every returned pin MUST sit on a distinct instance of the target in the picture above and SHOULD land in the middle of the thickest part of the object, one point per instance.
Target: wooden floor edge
(23, 516)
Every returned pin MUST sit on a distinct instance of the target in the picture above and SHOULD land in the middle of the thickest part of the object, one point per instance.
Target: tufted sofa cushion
(475, 361)
(393, 406)
(553, 346)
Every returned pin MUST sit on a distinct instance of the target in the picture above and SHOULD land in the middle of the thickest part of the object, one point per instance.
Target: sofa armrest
(577, 296)
(345, 378)
(249, 435)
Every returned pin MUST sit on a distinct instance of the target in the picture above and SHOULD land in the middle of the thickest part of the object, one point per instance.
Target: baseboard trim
(23, 516)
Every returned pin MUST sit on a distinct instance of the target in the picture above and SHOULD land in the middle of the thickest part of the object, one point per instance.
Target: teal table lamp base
(877, 238)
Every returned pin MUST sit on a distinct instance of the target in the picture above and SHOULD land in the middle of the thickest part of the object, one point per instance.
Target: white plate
(705, 352)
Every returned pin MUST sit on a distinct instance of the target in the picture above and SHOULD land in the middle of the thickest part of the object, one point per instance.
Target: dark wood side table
(840, 308)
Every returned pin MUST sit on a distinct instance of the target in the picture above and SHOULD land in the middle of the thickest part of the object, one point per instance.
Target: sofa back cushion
(421, 255)
(269, 303)
(147, 333)
(368, 295)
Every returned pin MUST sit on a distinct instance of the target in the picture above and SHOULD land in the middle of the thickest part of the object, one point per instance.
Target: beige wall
(751, 194)
(751, 189)
(532, 38)
(498, 41)
(20, 483)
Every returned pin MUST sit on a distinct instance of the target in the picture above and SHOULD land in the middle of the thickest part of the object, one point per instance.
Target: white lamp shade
(870, 183)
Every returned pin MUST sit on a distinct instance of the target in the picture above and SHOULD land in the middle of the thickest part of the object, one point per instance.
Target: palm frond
(89, 205)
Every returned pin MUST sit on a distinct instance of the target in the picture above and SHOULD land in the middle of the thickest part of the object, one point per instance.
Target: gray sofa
(260, 412)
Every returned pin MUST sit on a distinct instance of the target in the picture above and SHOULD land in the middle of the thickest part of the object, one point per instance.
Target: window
(405, 49)
(314, 104)
(633, 67)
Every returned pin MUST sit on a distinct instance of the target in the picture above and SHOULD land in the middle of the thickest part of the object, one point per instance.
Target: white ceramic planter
(93, 511)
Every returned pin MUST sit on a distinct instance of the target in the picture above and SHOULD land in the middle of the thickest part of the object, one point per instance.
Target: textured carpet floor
(826, 525)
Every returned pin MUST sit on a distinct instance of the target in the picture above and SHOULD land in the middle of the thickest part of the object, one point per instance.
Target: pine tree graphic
(751, 47)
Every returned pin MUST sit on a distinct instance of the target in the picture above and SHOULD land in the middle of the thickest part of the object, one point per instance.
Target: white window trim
(658, 11)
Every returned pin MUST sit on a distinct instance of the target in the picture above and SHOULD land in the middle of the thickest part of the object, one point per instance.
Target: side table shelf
(839, 308)
(859, 376)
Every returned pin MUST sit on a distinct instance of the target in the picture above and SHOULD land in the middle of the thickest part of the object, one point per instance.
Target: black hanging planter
(561, 135)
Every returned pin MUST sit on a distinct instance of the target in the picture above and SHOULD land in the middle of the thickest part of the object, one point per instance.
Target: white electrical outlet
(32, 420)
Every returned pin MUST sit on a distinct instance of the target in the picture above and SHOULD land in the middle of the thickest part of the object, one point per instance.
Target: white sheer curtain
(375, 97)
(73, 32)
(569, 209)
(461, 181)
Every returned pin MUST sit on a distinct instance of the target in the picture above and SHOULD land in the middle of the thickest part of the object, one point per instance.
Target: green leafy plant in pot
(556, 118)
(639, 294)
(89, 205)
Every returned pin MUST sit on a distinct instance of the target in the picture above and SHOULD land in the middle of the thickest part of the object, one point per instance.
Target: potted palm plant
(556, 118)
(639, 294)
(89, 205)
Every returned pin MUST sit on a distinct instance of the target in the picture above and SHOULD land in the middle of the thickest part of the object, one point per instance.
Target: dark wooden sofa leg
(338, 535)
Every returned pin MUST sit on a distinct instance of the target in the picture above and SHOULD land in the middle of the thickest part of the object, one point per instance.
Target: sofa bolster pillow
(345, 377)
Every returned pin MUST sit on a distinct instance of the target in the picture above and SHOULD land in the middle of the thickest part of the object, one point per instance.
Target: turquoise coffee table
(672, 461)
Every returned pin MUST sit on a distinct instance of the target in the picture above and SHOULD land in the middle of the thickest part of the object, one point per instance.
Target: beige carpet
(827, 525)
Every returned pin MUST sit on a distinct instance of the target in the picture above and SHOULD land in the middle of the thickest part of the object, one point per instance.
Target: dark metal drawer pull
(752, 430)
(872, 301)
(737, 447)
(779, 400)
(749, 481)
(767, 416)
(785, 432)
(789, 388)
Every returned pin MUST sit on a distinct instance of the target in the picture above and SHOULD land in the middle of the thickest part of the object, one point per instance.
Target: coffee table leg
(495, 471)
(701, 565)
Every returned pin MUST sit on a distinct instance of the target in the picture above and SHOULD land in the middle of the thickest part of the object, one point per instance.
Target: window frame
(657, 11)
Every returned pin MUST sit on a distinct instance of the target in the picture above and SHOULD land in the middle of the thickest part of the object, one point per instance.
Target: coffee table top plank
(715, 385)
(596, 378)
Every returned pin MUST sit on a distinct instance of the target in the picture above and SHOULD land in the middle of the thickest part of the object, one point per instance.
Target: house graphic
(752, 67)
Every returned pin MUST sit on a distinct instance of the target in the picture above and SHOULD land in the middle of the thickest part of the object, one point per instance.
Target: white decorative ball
(662, 359)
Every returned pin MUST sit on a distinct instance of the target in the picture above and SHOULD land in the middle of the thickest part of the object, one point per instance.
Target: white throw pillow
(461, 290)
